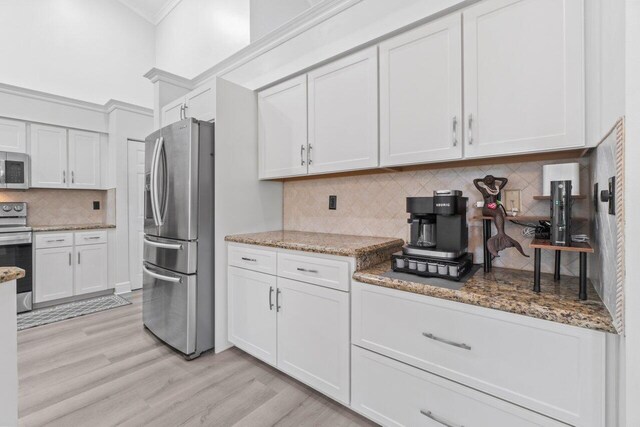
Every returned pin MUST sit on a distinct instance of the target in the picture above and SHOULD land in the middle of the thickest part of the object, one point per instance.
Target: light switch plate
(511, 201)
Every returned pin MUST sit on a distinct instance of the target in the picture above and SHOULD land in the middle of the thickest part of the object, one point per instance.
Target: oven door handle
(15, 239)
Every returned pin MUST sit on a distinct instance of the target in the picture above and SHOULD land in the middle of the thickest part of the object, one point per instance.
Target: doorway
(135, 184)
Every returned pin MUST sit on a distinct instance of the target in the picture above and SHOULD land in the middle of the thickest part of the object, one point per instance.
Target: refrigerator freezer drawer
(175, 255)
(169, 307)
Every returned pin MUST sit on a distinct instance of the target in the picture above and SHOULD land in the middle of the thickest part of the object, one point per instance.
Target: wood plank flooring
(104, 369)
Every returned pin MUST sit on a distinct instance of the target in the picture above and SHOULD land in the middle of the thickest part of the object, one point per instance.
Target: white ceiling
(151, 10)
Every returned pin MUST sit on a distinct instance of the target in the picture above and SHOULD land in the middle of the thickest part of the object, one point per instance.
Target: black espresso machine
(438, 237)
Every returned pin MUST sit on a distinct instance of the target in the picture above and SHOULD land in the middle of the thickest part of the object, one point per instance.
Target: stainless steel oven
(15, 249)
(14, 170)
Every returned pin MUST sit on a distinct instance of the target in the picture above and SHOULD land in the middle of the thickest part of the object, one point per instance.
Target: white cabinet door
(54, 274)
(282, 129)
(49, 157)
(13, 136)
(84, 159)
(172, 112)
(524, 76)
(91, 268)
(201, 102)
(421, 94)
(313, 336)
(252, 313)
(343, 114)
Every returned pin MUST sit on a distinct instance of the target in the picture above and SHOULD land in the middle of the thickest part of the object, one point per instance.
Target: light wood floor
(104, 369)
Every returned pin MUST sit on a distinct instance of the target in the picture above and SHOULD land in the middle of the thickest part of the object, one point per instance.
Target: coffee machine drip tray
(432, 253)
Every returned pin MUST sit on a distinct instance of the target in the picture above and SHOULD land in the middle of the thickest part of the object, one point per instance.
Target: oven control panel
(13, 209)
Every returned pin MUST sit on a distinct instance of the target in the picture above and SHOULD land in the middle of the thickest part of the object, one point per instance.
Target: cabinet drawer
(394, 394)
(90, 237)
(318, 271)
(260, 260)
(55, 240)
(553, 369)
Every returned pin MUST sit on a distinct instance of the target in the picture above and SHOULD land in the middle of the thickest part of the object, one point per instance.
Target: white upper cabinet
(48, 157)
(282, 129)
(84, 159)
(172, 112)
(343, 114)
(523, 76)
(421, 94)
(13, 136)
(201, 102)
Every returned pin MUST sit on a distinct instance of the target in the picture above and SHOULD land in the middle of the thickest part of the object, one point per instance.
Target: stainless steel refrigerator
(178, 272)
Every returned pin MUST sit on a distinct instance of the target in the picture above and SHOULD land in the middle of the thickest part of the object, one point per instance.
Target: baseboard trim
(123, 287)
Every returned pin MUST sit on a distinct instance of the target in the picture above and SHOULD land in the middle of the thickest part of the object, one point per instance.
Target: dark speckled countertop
(368, 251)
(70, 227)
(10, 273)
(511, 290)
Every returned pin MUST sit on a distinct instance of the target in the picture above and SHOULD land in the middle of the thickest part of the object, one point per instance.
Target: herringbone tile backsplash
(60, 207)
(375, 205)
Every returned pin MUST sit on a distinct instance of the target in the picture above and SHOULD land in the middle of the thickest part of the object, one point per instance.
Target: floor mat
(70, 310)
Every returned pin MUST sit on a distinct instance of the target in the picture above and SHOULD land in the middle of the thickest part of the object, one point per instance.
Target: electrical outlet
(96, 206)
(511, 201)
(333, 203)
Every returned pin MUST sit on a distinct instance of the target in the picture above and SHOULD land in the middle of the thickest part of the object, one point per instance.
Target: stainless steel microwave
(14, 170)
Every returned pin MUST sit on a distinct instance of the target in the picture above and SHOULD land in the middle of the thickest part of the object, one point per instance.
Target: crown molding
(165, 10)
(44, 96)
(155, 75)
(299, 24)
(153, 18)
(114, 104)
(107, 108)
(292, 28)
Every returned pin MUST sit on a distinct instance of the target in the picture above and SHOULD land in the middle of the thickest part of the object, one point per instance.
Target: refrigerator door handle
(160, 276)
(153, 183)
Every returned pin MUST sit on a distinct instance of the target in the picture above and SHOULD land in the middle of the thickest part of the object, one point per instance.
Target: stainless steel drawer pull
(160, 244)
(439, 420)
(455, 131)
(161, 277)
(278, 306)
(92, 238)
(69, 258)
(270, 298)
(249, 259)
(55, 240)
(302, 155)
(304, 270)
(446, 341)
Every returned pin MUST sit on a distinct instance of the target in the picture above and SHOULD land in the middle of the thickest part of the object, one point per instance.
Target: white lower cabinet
(300, 328)
(54, 274)
(64, 269)
(394, 394)
(553, 369)
(252, 315)
(313, 336)
(91, 269)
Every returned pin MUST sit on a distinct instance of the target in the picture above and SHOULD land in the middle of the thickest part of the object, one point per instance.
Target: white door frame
(135, 200)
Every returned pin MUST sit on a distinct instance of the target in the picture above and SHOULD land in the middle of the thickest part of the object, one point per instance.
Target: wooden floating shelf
(575, 246)
(577, 197)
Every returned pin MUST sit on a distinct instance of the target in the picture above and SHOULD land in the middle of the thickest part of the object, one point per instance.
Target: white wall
(267, 15)
(632, 207)
(198, 34)
(89, 50)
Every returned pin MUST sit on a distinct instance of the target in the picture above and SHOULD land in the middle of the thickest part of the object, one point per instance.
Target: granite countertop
(10, 273)
(511, 291)
(367, 250)
(70, 227)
